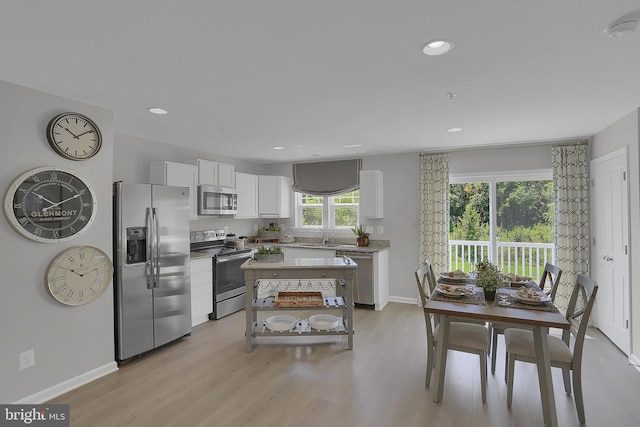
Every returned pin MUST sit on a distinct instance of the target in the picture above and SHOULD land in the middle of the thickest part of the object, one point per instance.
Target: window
(506, 219)
(334, 212)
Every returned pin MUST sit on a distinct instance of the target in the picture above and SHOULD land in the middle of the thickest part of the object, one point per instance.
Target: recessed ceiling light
(352, 146)
(437, 47)
(278, 147)
(156, 110)
(454, 130)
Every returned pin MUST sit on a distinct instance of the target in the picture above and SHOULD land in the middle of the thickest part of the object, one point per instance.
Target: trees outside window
(511, 221)
(334, 212)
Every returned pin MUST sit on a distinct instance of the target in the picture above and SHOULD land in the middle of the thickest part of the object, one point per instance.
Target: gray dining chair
(463, 336)
(551, 276)
(520, 346)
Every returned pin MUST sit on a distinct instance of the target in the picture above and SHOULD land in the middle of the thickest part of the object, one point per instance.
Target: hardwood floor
(209, 380)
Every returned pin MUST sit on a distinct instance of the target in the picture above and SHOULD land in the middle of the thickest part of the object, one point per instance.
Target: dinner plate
(453, 291)
(444, 277)
(534, 301)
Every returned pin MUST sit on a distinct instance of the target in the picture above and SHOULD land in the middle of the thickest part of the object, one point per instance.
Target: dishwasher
(363, 292)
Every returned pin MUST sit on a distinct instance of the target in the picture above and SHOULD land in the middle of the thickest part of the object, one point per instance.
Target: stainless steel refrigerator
(152, 267)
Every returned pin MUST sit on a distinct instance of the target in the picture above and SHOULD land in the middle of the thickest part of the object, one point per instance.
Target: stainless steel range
(228, 278)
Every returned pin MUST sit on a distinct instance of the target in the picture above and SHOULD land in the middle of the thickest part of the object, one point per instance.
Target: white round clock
(79, 275)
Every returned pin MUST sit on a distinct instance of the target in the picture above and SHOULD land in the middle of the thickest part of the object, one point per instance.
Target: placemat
(547, 306)
(476, 298)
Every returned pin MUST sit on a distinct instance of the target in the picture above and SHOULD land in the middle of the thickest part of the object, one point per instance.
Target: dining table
(475, 306)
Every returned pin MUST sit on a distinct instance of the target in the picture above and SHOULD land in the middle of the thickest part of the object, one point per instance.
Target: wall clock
(50, 204)
(74, 136)
(79, 275)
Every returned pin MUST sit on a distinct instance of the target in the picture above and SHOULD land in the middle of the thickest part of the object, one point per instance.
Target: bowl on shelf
(324, 322)
(281, 322)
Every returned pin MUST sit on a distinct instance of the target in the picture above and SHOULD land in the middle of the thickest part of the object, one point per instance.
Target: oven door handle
(228, 258)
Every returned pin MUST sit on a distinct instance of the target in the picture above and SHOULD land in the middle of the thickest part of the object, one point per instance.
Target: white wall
(626, 133)
(72, 344)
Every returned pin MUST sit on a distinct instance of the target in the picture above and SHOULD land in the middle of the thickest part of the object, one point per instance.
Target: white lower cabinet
(201, 290)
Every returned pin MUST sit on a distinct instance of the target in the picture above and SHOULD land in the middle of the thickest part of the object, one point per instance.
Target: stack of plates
(324, 322)
(280, 323)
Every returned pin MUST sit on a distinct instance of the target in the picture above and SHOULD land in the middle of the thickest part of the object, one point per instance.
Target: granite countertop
(374, 246)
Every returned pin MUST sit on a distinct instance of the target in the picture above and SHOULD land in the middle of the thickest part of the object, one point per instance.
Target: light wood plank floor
(209, 380)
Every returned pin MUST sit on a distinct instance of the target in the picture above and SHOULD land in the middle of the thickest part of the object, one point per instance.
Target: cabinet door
(274, 195)
(371, 194)
(247, 187)
(201, 290)
(226, 175)
(180, 175)
(207, 172)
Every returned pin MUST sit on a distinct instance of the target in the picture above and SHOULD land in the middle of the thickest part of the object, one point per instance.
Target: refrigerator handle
(156, 252)
(148, 266)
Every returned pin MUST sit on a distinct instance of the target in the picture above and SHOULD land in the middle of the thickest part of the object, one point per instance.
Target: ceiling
(241, 76)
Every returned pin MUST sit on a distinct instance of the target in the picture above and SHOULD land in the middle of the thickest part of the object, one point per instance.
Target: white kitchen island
(299, 271)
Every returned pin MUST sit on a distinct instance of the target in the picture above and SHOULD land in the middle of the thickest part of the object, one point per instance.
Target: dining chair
(463, 336)
(551, 275)
(520, 344)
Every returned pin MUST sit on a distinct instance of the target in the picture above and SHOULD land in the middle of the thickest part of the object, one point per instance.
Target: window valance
(327, 178)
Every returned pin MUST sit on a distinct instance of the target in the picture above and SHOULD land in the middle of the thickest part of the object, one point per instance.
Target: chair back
(551, 274)
(424, 279)
(579, 311)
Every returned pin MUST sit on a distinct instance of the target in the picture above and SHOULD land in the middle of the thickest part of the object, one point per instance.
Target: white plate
(281, 322)
(543, 298)
(453, 290)
(324, 322)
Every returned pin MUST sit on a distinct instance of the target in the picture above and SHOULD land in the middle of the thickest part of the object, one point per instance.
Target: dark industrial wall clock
(79, 275)
(74, 136)
(50, 204)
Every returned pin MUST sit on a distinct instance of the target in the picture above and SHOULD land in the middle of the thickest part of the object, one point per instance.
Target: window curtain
(327, 178)
(571, 194)
(434, 210)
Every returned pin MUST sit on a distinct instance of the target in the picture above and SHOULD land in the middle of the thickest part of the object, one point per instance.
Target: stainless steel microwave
(215, 200)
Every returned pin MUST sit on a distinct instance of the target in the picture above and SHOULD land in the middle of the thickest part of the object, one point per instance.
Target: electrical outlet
(369, 229)
(27, 359)
(380, 229)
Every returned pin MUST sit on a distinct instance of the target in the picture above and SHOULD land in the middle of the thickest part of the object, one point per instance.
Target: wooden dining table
(539, 321)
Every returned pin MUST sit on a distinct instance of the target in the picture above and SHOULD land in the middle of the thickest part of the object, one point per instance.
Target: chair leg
(483, 376)
(430, 361)
(494, 344)
(506, 364)
(512, 364)
(577, 395)
(566, 378)
(490, 332)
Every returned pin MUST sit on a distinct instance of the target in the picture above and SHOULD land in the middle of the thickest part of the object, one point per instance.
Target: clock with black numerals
(74, 136)
(50, 204)
(79, 275)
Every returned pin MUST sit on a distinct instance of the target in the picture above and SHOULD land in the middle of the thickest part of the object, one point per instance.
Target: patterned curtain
(434, 210)
(571, 188)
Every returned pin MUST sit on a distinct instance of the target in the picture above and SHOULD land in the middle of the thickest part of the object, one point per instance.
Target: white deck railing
(524, 259)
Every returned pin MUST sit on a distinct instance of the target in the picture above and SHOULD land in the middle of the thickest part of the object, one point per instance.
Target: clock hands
(74, 135)
(43, 198)
(83, 133)
(59, 203)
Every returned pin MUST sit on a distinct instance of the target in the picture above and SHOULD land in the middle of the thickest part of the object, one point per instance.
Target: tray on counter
(299, 299)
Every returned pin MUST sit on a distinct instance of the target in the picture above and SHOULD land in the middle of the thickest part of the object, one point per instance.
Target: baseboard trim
(68, 385)
(403, 300)
(635, 361)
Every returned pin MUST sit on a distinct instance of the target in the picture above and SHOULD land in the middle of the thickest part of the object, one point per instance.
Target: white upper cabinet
(214, 173)
(180, 175)
(371, 194)
(274, 195)
(226, 175)
(247, 188)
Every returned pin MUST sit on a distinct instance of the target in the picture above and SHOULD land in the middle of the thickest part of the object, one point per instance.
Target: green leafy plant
(359, 231)
(272, 250)
(488, 276)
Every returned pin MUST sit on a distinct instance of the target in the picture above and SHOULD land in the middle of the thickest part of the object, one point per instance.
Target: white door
(610, 255)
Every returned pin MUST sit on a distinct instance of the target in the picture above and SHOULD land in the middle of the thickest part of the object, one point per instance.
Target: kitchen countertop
(374, 246)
